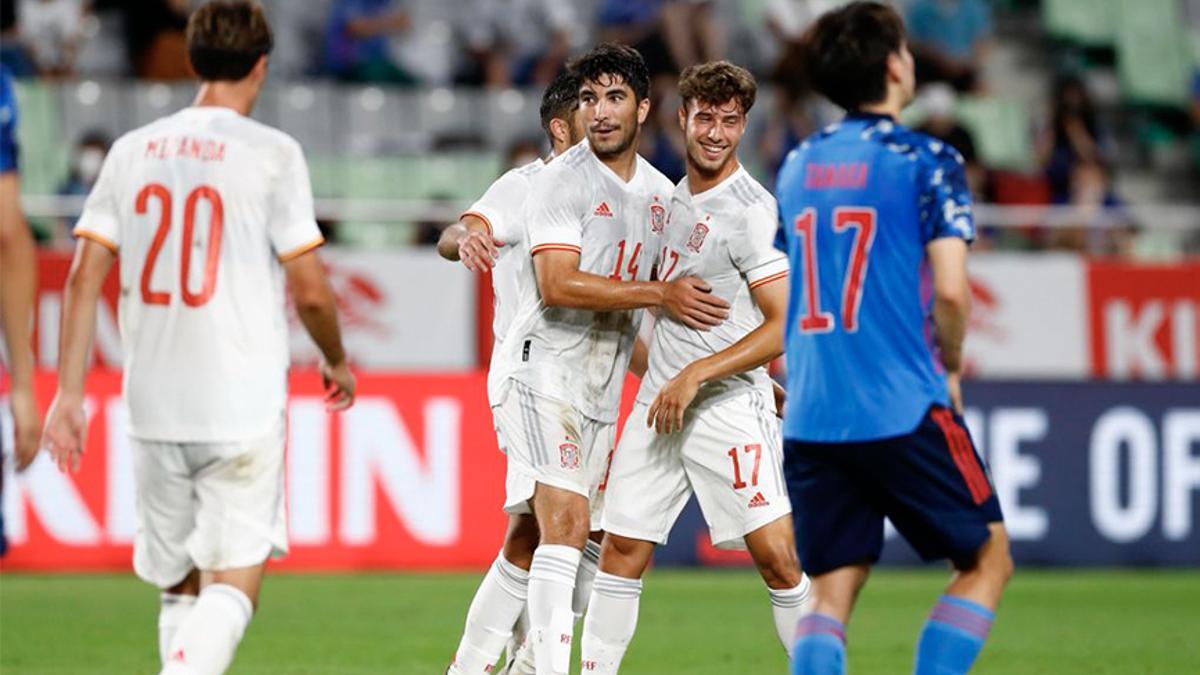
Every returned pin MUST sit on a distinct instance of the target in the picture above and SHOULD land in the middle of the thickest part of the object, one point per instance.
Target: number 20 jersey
(201, 206)
(578, 204)
(858, 203)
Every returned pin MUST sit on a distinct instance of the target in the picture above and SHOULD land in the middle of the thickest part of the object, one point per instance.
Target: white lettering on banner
(1013, 471)
(1118, 428)
(1181, 471)
(1130, 340)
(1183, 337)
(121, 507)
(308, 474)
(376, 445)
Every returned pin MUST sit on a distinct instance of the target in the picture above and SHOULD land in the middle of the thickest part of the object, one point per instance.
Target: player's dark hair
(225, 38)
(612, 59)
(560, 100)
(846, 52)
(718, 82)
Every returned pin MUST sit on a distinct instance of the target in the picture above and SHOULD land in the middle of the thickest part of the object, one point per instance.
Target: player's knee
(520, 541)
(780, 569)
(625, 557)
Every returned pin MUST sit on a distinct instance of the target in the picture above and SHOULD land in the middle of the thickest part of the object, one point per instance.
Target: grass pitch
(695, 622)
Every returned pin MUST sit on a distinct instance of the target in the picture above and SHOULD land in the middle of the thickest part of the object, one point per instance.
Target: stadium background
(1080, 120)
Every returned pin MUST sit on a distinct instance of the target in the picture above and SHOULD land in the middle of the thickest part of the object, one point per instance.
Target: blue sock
(952, 637)
(820, 646)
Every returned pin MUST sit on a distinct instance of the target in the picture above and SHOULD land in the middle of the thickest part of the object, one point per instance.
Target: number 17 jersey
(858, 203)
(201, 206)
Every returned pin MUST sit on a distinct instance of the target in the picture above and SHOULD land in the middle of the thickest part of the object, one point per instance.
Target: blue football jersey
(858, 202)
(8, 123)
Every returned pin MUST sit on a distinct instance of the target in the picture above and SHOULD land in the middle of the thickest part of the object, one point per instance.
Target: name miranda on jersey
(188, 147)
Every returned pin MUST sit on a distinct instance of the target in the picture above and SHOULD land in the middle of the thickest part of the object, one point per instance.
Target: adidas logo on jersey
(759, 500)
(603, 210)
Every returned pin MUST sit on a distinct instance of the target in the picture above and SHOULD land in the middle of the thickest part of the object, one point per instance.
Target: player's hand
(690, 301)
(27, 423)
(339, 386)
(66, 431)
(666, 412)
(954, 385)
(478, 251)
(780, 398)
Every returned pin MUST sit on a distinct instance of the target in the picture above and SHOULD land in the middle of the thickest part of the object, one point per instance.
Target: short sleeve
(554, 215)
(293, 224)
(945, 199)
(501, 206)
(99, 220)
(753, 249)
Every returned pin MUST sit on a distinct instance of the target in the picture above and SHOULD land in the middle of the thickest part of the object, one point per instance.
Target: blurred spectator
(662, 142)
(1091, 228)
(797, 111)
(522, 42)
(86, 161)
(637, 23)
(938, 101)
(356, 41)
(51, 31)
(949, 39)
(521, 152)
(12, 53)
(1073, 137)
(693, 32)
(786, 20)
(155, 38)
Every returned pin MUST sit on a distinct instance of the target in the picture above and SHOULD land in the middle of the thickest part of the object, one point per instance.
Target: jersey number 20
(215, 224)
(862, 219)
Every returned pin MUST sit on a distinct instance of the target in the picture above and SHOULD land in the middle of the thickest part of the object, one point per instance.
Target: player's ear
(260, 69)
(643, 110)
(683, 116)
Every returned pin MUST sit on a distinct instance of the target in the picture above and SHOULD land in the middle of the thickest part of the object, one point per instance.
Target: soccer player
(705, 415)
(18, 259)
(489, 237)
(210, 212)
(592, 216)
(876, 219)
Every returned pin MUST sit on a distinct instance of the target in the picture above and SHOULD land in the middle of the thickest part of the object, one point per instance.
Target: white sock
(494, 610)
(787, 606)
(584, 578)
(610, 623)
(206, 640)
(172, 610)
(551, 621)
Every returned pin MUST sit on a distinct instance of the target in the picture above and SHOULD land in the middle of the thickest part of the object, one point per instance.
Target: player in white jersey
(592, 218)
(489, 237)
(210, 212)
(705, 418)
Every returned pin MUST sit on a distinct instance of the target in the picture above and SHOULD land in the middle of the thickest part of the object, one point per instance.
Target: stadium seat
(1087, 22)
(1001, 129)
(1154, 59)
(44, 149)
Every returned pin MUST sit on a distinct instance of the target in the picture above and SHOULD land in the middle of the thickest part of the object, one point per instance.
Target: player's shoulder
(917, 146)
(264, 136)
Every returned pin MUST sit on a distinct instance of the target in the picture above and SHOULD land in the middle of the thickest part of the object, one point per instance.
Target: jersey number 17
(862, 220)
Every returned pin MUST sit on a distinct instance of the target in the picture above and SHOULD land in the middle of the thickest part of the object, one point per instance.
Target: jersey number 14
(862, 219)
(216, 221)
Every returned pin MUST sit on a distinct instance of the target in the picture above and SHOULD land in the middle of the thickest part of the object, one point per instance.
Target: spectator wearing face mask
(86, 161)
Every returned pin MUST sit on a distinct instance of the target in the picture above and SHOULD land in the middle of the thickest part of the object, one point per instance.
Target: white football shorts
(210, 506)
(730, 453)
(548, 441)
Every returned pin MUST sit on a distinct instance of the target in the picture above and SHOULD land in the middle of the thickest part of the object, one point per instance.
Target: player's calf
(773, 549)
(613, 609)
(564, 521)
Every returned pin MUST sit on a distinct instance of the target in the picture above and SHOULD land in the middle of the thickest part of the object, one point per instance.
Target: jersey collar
(869, 116)
(715, 190)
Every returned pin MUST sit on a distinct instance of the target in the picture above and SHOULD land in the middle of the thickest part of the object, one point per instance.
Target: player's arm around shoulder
(489, 223)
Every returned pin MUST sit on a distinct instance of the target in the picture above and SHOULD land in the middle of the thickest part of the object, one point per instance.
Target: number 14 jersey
(201, 207)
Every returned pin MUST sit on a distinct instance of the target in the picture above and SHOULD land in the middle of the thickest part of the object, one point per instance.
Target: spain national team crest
(569, 456)
(697, 239)
(658, 218)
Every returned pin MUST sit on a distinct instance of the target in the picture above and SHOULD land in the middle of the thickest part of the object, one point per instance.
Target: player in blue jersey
(876, 219)
(17, 283)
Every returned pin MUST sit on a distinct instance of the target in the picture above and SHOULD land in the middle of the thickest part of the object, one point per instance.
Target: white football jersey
(501, 208)
(202, 206)
(578, 204)
(724, 235)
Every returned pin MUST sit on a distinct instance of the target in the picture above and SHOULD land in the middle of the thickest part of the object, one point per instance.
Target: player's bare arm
(562, 284)
(639, 360)
(66, 424)
(317, 309)
(470, 241)
(17, 283)
(758, 347)
(951, 307)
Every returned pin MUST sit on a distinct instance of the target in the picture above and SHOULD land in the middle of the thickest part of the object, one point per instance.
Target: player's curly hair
(560, 99)
(609, 59)
(225, 38)
(846, 52)
(718, 82)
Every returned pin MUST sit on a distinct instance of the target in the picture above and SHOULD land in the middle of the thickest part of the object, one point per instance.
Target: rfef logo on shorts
(697, 239)
(569, 456)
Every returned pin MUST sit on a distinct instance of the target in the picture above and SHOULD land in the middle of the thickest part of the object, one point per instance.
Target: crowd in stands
(523, 43)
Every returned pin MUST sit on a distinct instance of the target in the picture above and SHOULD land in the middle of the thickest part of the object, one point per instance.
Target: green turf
(691, 622)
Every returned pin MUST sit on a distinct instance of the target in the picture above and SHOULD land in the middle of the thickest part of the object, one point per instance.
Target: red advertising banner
(1145, 320)
(410, 477)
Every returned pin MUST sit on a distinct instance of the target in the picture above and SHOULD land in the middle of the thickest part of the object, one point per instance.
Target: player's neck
(624, 163)
(237, 96)
(890, 106)
(700, 181)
